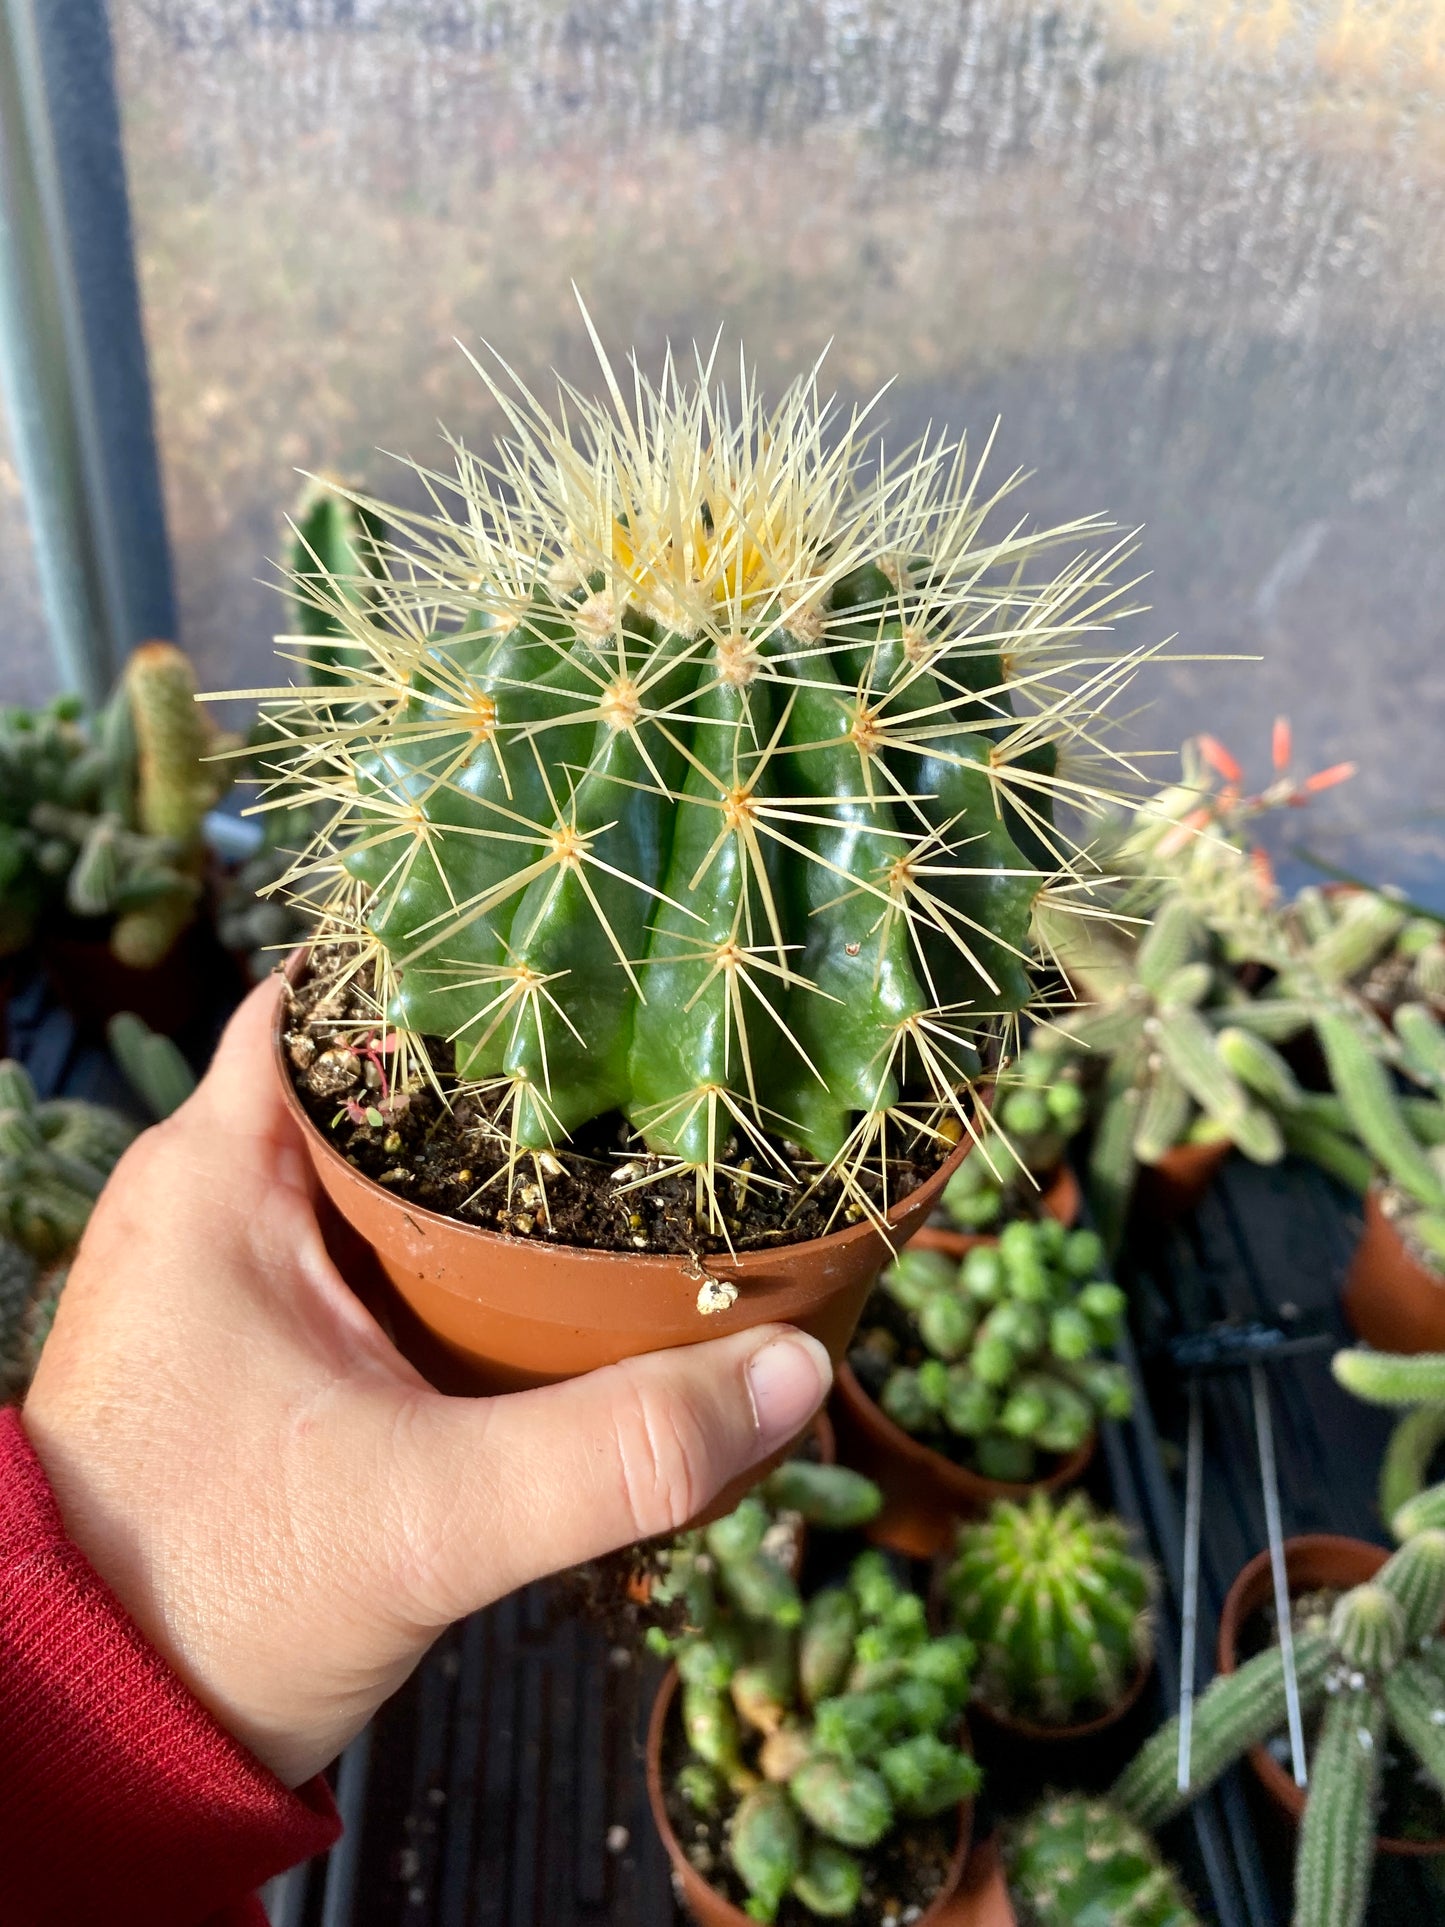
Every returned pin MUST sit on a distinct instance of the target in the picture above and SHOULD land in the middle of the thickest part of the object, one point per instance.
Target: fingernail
(788, 1379)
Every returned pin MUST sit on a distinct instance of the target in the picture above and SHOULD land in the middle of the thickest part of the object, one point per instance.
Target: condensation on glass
(27, 674)
(1192, 254)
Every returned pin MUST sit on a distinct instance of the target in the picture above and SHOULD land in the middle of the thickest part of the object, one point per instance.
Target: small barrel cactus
(1076, 1862)
(1008, 1344)
(814, 1728)
(1058, 1606)
(681, 775)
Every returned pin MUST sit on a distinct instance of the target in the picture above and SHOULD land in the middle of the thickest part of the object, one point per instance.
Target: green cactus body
(335, 550)
(830, 1881)
(1391, 1378)
(675, 792)
(711, 1726)
(925, 1775)
(765, 1846)
(1276, 1019)
(761, 1589)
(1307, 1137)
(1076, 1862)
(1424, 1513)
(1364, 1083)
(1367, 1627)
(849, 1804)
(1337, 1835)
(1164, 1115)
(1174, 940)
(832, 1496)
(153, 1064)
(1057, 1606)
(1406, 1465)
(18, 1272)
(175, 786)
(1259, 1067)
(764, 1687)
(1423, 1042)
(946, 1324)
(825, 1644)
(1364, 932)
(1112, 1163)
(1190, 1049)
(1415, 1577)
(54, 1158)
(1239, 1710)
(1415, 1700)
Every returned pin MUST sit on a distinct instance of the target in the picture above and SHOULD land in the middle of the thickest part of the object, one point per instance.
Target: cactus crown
(1058, 1606)
(680, 771)
(997, 1357)
(1073, 1861)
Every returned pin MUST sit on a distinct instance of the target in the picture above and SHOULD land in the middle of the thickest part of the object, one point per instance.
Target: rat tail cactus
(1057, 1605)
(684, 774)
(1075, 1862)
(1408, 1505)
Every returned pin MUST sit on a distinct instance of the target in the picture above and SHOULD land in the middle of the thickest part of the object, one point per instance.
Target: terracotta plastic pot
(1176, 1184)
(1060, 1198)
(924, 1493)
(1392, 1301)
(982, 1899)
(480, 1311)
(712, 1909)
(1315, 1561)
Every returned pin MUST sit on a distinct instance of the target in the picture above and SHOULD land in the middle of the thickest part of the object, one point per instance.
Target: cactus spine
(659, 762)
(1073, 1862)
(1057, 1605)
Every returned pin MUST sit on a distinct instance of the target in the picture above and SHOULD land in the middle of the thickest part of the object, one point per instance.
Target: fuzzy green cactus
(1039, 1107)
(152, 1064)
(1006, 1345)
(1057, 1605)
(1408, 1503)
(1374, 1673)
(1076, 1862)
(817, 1728)
(54, 1158)
(46, 761)
(684, 776)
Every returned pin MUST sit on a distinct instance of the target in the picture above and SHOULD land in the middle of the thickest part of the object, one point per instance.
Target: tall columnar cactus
(1007, 1344)
(815, 1727)
(54, 1158)
(1057, 1605)
(1076, 1862)
(1375, 1671)
(1408, 1503)
(685, 776)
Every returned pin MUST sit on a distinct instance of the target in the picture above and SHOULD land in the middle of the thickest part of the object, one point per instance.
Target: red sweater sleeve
(122, 1802)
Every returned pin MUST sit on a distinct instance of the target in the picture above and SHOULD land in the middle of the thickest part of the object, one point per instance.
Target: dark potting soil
(902, 1875)
(1411, 1807)
(445, 1152)
(888, 1336)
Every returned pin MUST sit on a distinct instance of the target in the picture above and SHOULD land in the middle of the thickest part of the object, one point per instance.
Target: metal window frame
(73, 370)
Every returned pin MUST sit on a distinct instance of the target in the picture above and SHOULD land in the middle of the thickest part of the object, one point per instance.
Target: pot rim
(712, 1263)
(1042, 1735)
(1252, 1588)
(969, 1487)
(936, 1914)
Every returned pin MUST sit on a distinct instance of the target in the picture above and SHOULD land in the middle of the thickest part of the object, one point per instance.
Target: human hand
(285, 1508)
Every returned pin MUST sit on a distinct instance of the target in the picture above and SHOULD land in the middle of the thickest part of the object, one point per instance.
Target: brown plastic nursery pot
(1319, 1560)
(712, 1909)
(1392, 1301)
(1176, 1184)
(1038, 1735)
(924, 1493)
(483, 1312)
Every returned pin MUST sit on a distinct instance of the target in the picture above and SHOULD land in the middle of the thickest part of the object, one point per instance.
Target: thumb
(506, 1490)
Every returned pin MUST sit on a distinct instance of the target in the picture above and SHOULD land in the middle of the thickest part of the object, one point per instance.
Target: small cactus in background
(1008, 1342)
(1058, 1606)
(1039, 1107)
(1408, 1504)
(816, 1727)
(46, 762)
(152, 1065)
(18, 1273)
(681, 776)
(1374, 1672)
(1076, 1862)
(54, 1158)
